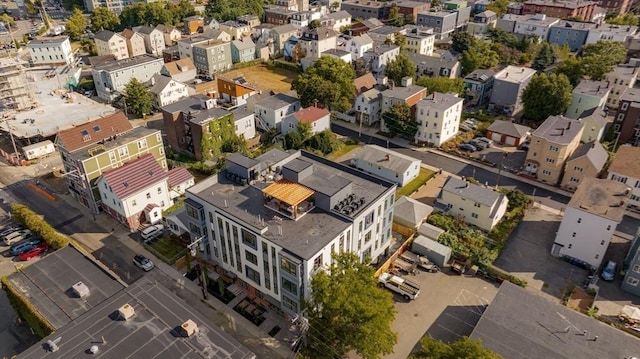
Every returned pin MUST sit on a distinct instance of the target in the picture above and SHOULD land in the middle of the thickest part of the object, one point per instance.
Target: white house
(299, 209)
(590, 219)
(166, 90)
(420, 41)
(337, 20)
(111, 43)
(316, 41)
(606, 32)
(438, 118)
(153, 39)
(368, 106)
(480, 206)
(536, 26)
(625, 168)
(380, 56)
(391, 165)
(170, 33)
(270, 111)
(51, 51)
(139, 191)
(317, 118)
(358, 45)
(111, 78)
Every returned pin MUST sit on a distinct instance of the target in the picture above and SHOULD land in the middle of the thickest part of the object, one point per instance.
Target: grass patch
(416, 183)
(167, 247)
(335, 155)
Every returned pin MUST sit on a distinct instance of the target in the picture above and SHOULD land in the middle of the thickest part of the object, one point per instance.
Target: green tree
(323, 142)
(546, 95)
(181, 10)
(399, 120)
(395, 18)
(479, 57)
(503, 37)
(499, 6)
(76, 24)
(235, 144)
(400, 67)
(329, 81)
(88, 46)
(463, 348)
(226, 10)
(626, 19)
(348, 311)
(399, 40)
(8, 20)
(138, 98)
(441, 84)
(103, 18)
(463, 41)
(293, 141)
(599, 58)
(572, 69)
(314, 24)
(304, 129)
(545, 57)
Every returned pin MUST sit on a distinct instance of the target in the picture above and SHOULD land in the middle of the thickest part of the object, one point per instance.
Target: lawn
(167, 247)
(414, 185)
(335, 155)
(265, 78)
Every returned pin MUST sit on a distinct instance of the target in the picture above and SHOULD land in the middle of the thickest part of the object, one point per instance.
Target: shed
(508, 133)
(434, 251)
(430, 231)
(38, 150)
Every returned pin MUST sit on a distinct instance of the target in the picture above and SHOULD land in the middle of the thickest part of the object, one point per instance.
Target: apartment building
(111, 78)
(587, 95)
(508, 85)
(316, 41)
(135, 42)
(274, 221)
(51, 51)
(272, 110)
(211, 57)
(587, 161)
(621, 78)
(535, 26)
(438, 118)
(586, 10)
(185, 46)
(572, 33)
(111, 43)
(153, 39)
(626, 125)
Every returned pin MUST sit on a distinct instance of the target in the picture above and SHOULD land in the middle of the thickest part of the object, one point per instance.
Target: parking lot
(448, 307)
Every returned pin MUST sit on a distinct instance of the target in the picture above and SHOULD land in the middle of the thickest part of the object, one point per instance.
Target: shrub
(25, 216)
(27, 311)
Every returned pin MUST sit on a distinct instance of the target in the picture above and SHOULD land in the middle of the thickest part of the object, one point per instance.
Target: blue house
(572, 33)
(478, 86)
(242, 50)
(480, 6)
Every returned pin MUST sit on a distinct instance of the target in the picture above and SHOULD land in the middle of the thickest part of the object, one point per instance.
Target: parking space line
(471, 301)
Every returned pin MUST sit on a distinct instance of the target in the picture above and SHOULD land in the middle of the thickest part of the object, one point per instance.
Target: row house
(407, 94)
(561, 9)
(270, 112)
(587, 161)
(552, 143)
(626, 124)
(380, 56)
(110, 78)
(111, 43)
(590, 220)
(478, 87)
(572, 33)
(285, 219)
(508, 85)
(586, 95)
(153, 39)
(190, 120)
(625, 168)
(482, 22)
(316, 41)
(211, 57)
(134, 41)
(137, 192)
(51, 51)
(438, 118)
(95, 147)
(620, 78)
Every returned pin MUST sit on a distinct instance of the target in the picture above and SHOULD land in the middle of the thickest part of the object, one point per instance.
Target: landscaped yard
(265, 77)
(335, 155)
(414, 185)
(167, 247)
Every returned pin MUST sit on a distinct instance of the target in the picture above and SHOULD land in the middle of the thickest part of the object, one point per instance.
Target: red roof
(135, 176)
(150, 207)
(178, 175)
(311, 114)
(93, 132)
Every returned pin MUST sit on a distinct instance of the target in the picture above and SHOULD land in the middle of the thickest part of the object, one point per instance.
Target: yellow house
(551, 145)
(586, 162)
(480, 206)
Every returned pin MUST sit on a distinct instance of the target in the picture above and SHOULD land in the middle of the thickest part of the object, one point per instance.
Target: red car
(34, 252)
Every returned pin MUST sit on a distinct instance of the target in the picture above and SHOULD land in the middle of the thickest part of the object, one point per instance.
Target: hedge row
(26, 311)
(30, 219)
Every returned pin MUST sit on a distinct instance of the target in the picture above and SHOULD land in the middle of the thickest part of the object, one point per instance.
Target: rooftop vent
(189, 328)
(80, 289)
(126, 312)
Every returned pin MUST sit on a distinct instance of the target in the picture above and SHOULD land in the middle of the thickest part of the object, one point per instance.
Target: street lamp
(194, 254)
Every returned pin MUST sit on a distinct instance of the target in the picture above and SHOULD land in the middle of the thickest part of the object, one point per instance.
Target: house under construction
(15, 93)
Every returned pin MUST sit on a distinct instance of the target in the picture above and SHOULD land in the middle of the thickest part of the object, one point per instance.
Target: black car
(479, 145)
(466, 147)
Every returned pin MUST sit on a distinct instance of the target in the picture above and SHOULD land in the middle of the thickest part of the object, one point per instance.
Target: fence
(170, 261)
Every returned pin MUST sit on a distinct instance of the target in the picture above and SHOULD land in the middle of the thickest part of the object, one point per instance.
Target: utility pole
(504, 155)
(203, 272)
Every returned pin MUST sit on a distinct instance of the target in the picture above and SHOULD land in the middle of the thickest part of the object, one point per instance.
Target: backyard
(167, 248)
(415, 184)
(266, 78)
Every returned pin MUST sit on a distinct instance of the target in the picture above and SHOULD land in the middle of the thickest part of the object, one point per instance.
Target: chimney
(607, 84)
(506, 75)
(569, 125)
(562, 133)
(388, 157)
(598, 90)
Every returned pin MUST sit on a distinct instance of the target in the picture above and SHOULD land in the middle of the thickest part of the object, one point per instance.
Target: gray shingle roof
(559, 129)
(597, 114)
(509, 128)
(410, 212)
(471, 191)
(277, 101)
(397, 162)
(594, 151)
(243, 44)
(104, 35)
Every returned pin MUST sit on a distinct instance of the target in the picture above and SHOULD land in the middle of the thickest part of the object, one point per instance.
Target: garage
(508, 133)
(496, 137)
(510, 141)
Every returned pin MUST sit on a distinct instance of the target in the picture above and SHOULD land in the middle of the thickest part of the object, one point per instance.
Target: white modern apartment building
(273, 221)
(589, 221)
(438, 118)
(51, 51)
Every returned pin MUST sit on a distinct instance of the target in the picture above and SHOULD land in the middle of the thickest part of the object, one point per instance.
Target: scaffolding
(15, 93)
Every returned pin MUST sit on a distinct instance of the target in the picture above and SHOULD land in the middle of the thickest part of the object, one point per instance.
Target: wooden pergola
(289, 193)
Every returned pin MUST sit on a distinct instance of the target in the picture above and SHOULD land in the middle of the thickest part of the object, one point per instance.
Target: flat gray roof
(520, 324)
(53, 113)
(126, 63)
(153, 331)
(311, 232)
(515, 74)
(441, 101)
(601, 197)
(277, 101)
(47, 286)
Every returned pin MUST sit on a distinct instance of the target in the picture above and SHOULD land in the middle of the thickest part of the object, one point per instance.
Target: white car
(143, 262)
(152, 231)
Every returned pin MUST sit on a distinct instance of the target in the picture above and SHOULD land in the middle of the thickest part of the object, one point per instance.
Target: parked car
(471, 122)
(16, 236)
(488, 141)
(609, 271)
(24, 246)
(466, 147)
(466, 128)
(152, 231)
(479, 145)
(41, 249)
(143, 262)
(8, 230)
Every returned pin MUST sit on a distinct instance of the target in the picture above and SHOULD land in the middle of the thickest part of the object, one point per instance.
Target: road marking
(471, 301)
(43, 193)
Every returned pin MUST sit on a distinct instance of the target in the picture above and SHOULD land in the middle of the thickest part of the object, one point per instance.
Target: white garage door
(511, 141)
(496, 137)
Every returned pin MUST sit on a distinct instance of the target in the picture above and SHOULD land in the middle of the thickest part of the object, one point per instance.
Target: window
(368, 220)
(148, 195)
(133, 203)
(159, 190)
(251, 257)
(546, 172)
(476, 204)
(142, 144)
(289, 303)
(633, 281)
(550, 160)
(249, 239)
(636, 268)
(317, 262)
(193, 213)
(367, 237)
(252, 274)
(123, 151)
(289, 286)
(288, 266)
(474, 215)
(112, 156)
(577, 169)
(625, 106)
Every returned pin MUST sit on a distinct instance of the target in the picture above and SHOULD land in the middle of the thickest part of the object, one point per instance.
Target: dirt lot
(265, 78)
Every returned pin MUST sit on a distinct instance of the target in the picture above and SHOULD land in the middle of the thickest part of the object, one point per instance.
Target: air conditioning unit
(189, 328)
(80, 289)
(126, 312)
